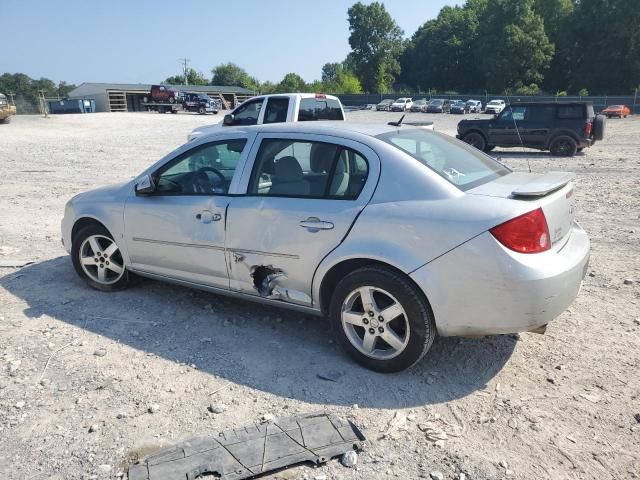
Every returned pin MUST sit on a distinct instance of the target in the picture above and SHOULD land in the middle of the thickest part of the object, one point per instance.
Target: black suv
(564, 128)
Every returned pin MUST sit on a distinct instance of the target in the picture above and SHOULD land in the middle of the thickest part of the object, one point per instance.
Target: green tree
(291, 83)
(557, 16)
(441, 53)
(232, 74)
(512, 45)
(330, 71)
(193, 78)
(26, 90)
(606, 60)
(376, 44)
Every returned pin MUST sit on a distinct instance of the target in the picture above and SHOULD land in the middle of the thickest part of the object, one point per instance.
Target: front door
(505, 130)
(179, 230)
(303, 194)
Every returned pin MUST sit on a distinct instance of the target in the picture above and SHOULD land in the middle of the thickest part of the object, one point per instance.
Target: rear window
(319, 109)
(462, 165)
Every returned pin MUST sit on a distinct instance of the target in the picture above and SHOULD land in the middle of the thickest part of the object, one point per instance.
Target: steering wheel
(202, 182)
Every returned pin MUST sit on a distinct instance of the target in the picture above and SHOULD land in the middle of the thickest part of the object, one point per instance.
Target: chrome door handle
(208, 217)
(313, 224)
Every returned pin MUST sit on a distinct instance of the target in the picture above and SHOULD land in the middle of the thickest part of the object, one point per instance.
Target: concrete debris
(153, 408)
(349, 459)
(436, 475)
(101, 352)
(217, 408)
(94, 428)
(628, 281)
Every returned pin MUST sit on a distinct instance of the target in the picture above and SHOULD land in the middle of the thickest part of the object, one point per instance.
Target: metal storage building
(127, 97)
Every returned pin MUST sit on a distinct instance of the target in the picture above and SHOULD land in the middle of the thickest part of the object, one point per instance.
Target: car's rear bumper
(483, 288)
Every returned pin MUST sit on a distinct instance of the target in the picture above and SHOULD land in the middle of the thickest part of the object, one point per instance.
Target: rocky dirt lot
(89, 380)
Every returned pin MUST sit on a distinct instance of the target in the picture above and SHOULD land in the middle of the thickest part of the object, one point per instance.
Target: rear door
(537, 124)
(303, 194)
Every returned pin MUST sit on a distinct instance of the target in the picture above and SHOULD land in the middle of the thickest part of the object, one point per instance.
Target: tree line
(525, 47)
(26, 90)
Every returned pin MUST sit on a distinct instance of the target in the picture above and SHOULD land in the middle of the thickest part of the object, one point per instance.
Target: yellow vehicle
(6, 110)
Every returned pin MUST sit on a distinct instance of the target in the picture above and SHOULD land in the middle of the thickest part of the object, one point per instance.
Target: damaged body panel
(255, 449)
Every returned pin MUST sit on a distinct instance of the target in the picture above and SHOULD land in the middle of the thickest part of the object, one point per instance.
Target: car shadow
(277, 351)
(528, 154)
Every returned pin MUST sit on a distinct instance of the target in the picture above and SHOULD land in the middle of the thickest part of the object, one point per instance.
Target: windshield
(458, 104)
(385, 101)
(436, 102)
(419, 102)
(462, 165)
(494, 102)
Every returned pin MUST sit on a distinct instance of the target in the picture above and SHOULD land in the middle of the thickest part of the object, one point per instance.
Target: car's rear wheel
(97, 259)
(475, 140)
(563, 146)
(201, 111)
(381, 319)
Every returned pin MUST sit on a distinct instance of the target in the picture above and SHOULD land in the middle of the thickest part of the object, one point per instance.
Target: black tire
(599, 126)
(475, 139)
(563, 146)
(422, 328)
(580, 149)
(201, 111)
(76, 244)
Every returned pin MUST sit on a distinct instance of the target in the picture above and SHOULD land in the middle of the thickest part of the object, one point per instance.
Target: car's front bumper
(434, 110)
(483, 288)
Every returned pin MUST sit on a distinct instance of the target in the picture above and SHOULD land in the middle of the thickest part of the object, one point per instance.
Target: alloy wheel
(101, 259)
(375, 323)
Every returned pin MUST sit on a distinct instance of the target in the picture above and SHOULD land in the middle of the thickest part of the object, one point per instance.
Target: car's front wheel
(381, 319)
(475, 140)
(98, 260)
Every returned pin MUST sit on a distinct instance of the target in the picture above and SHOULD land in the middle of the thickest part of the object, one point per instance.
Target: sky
(140, 41)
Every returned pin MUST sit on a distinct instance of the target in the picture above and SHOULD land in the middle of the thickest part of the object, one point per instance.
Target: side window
(570, 111)
(295, 168)
(312, 109)
(205, 170)
(247, 114)
(540, 113)
(276, 111)
(509, 114)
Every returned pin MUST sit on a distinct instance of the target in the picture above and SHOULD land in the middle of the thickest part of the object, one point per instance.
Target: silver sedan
(394, 232)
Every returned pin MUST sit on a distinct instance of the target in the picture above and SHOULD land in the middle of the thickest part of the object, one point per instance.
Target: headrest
(288, 170)
(321, 156)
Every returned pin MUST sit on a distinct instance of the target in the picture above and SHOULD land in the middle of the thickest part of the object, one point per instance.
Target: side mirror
(228, 119)
(145, 186)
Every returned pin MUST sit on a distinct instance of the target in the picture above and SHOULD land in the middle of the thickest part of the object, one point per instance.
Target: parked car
(279, 108)
(314, 216)
(384, 105)
(439, 106)
(163, 94)
(419, 105)
(459, 107)
(563, 128)
(401, 105)
(6, 109)
(495, 107)
(200, 102)
(474, 106)
(619, 111)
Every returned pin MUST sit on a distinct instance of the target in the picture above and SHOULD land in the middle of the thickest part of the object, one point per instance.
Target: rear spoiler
(543, 185)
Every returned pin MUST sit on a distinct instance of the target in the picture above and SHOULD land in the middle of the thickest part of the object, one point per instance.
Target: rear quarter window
(571, 112)
(312, 109)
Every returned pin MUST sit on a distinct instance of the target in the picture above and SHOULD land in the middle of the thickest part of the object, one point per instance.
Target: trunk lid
(552, 191)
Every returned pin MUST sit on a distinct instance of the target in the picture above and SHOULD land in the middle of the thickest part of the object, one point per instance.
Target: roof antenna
(515, 124)
(398, 123)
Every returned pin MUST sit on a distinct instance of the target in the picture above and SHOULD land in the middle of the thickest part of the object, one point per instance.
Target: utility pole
(185, 63)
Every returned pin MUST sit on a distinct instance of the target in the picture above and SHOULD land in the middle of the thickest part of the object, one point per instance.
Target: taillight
(587, 129)
(527, 233)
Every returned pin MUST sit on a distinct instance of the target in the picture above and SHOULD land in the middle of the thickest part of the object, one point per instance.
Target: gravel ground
(89, 380)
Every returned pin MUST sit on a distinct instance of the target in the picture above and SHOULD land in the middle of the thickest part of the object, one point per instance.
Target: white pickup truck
(279, 108)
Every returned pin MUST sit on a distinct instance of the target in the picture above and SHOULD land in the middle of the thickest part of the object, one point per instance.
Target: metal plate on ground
(258, 448)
